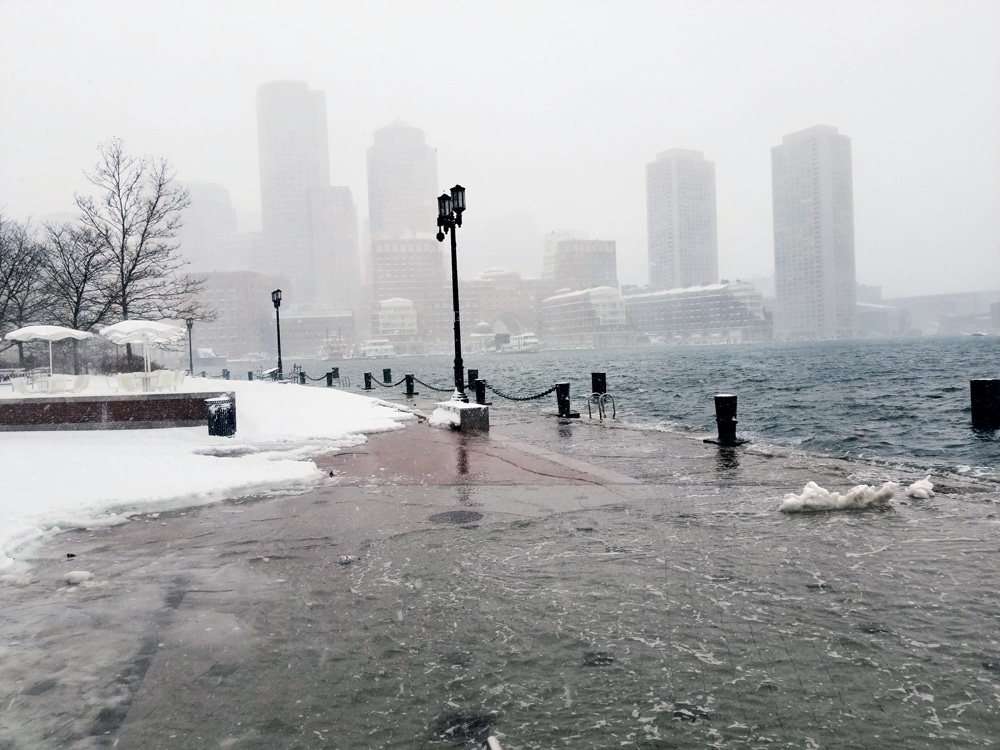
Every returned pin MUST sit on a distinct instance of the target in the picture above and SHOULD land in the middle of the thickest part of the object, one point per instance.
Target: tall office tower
(680, 220)
(813, 199)
(585, 264)
(208, 236)
(297, 205)
(402, 184)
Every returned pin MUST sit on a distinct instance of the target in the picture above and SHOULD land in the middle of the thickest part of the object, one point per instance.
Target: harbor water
(900, 403)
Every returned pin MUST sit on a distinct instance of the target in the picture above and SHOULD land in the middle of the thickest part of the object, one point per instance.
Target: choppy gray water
(902, 402)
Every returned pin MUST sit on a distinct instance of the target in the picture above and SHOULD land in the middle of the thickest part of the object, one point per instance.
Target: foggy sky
(547, 111)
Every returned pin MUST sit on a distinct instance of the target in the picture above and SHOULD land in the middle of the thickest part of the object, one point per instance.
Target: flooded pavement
(556, 584)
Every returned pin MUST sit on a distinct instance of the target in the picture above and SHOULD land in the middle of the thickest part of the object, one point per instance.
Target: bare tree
(135, 218)
(22, 290)
(78, 279)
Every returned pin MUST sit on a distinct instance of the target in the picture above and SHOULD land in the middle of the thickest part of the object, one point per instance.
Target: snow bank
(74, 479)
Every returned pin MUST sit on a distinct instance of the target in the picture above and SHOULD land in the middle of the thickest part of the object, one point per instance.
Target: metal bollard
(387, 375)
(302, 377)
(368, 381)
(562, 401)
(335, 372)
(725, 419)
(598, 382)
(250, 375)
(222, 415)
(329, 379)
(225, 374)
(985, 403)
(480, 386)
(409, 385)
(473, 377)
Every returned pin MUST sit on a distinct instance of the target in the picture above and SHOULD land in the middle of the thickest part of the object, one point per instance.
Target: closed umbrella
(143, 332)
(47, 333)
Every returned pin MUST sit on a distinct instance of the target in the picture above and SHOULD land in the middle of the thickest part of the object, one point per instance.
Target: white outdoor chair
(127, 382)
(57, 384)
(80, 383)
(20, 385)
(165, 381)
(178, 378)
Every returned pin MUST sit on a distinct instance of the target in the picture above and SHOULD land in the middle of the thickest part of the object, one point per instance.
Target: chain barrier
(315, 380)
(389, 385)
(519, 398)
(433, 388)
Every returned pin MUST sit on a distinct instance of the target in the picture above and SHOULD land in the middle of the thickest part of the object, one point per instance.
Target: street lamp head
(190, 324)
(444, 207)
(458, 199)
(276, 298)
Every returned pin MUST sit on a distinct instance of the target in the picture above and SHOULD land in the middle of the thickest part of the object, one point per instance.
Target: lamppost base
(460, 396)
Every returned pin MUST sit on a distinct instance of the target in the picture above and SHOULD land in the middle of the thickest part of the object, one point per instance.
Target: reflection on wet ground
(440, 587)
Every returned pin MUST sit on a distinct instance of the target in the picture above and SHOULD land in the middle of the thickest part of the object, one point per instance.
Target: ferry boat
(375, 349)
(521, 343)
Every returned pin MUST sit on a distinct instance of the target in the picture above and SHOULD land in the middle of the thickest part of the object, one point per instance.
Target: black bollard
(249, 374)
(409, 385)
(387, 375)
(225, 373)
(598, 382)
(985, 403)
(473, 377)
(480, 386)
(368, 381)
(335, 372)
(725, 419)
(562, 400)
(302, 377)
(329, 379)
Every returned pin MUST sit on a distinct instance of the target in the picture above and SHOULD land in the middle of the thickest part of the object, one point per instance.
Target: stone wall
(145, 411)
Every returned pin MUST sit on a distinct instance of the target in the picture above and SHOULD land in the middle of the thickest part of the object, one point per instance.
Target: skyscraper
(681, 221)
(406, 259)
(813, 203)
(402, 184)
(307, 237)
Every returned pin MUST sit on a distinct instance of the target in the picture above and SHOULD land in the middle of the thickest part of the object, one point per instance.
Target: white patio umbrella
(47, 333)
(143, 332)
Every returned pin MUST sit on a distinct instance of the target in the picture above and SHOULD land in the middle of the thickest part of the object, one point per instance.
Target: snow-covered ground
(50, 480)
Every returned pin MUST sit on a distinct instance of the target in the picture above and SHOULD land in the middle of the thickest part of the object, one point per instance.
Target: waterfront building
(585, 264)
(682, 235)
(308, 238)
(244, 314)
(413, 269)
(813, 204)
(585, 319)
(728, 312)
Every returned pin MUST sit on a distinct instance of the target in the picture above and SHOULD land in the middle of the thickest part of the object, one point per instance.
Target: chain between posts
(433, 388)
(519, 398)
(390, 385)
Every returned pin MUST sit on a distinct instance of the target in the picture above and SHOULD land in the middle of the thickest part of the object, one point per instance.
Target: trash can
(222, 415)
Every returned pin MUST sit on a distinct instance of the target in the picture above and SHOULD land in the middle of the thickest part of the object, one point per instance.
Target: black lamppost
(276, 299)
(190, 325)
(450, 209)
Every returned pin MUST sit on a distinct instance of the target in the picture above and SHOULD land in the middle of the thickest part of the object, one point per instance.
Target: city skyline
(555, 136)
